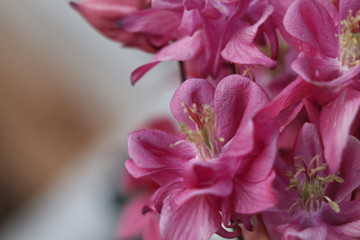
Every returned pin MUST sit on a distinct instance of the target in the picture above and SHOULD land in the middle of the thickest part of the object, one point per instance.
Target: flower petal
(192, 91)
(155, 21)
(308, 143)
(349, 171)
(335, 122)
(152, 149)
(241, 50)
(309, 22)
(346, 5)
(237, 100)
(184, 49)
(254, 197)
(195, 219)
(289, 97)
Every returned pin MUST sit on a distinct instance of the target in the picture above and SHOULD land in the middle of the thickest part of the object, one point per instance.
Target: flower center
(205, 138)
(311, 188)
(349, 40)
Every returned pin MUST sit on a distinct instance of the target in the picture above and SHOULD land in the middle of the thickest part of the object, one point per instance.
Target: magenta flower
(315, 204)
(215, 35)
(119, 19)
(221, 162)
(328, 40)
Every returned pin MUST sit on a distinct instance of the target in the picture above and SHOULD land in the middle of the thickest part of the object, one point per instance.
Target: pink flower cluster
(268, 142)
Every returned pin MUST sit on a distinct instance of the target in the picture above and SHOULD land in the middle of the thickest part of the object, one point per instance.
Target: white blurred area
(66, 107)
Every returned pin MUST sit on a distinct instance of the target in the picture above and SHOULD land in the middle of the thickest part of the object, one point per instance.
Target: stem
(182, 71)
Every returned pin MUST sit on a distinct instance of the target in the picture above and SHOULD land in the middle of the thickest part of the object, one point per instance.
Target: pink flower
(315, 204)
(215, 35)
(328, 40)
(221, 162)
(138, 215)
(107, 17)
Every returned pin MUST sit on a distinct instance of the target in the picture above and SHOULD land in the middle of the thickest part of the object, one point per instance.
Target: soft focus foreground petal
(347, 221)
(167, 4)
(335, 122)
(310, 233)
(237, 99)
(275, 222)
(309, 22)
(192, 91)
(259, 232)
(193, 220)
(349, 171)
(184, 49)
(190, 22)
(152, 229)
(132, 221)
(153, 149)
(254, 197)
(308, 143)
(290, 96)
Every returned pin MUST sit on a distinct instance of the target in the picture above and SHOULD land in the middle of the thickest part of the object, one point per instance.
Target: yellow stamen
(311, 189)
(349, 40)
(204, 136)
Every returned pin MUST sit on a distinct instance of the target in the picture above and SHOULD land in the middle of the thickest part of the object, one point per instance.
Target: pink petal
(309, 22)
(205, 178)
(241, 144)
(335, 122)
(184, 49)
(133, 222)
(195, 219)
(258, 165)
(104, 16)
(152, 149)
(167, 4)
(288, 97)
(237, 100)
(241, 50)
(192, 91)
(155, 21)
(308, 143)
(152, 228)
(251, 198)
(346, 223)
(346, 5)
(160, 176)
(316, 69)
(349, 171)
(309, 233)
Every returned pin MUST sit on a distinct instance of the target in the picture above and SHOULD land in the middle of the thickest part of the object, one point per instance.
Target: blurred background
(66, 107)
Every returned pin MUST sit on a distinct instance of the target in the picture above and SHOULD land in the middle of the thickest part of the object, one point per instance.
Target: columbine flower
(328, 40)
(315, 204)
(214, 35)
(119, 19)
(221, 153)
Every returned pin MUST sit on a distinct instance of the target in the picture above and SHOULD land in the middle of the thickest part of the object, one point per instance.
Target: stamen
(311, 189)
(205, 138)
(349, 40)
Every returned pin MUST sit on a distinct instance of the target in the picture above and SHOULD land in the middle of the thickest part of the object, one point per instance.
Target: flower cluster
(268, 142)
